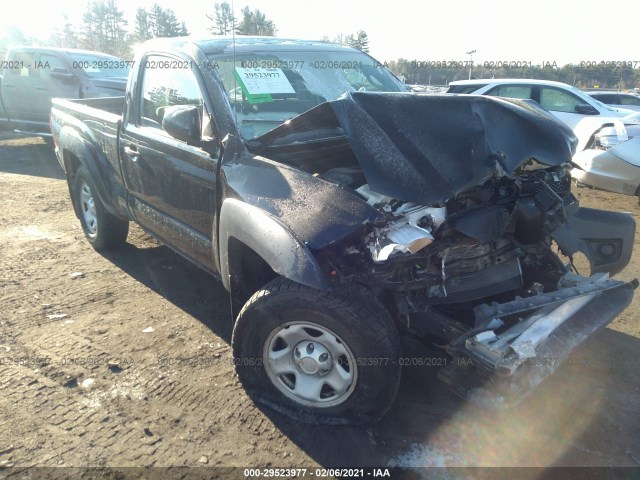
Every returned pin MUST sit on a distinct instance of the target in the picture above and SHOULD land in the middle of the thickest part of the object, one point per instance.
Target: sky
(538, 31)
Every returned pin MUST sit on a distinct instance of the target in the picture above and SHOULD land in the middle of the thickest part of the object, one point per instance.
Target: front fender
(271, 240)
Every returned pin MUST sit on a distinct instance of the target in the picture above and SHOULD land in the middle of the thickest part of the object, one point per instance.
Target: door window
(24, 65)
(610, 99)
(630, 100)
(165, 87)
(512, 91)
(558, 100)
(48, 63)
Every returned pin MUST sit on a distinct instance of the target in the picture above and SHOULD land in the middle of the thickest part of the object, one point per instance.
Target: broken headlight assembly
(611, 136)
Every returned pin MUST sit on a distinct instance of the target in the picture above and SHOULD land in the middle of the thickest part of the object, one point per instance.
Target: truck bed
(107, 109)
(91, 125)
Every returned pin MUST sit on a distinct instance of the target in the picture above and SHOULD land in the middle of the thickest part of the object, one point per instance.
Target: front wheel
(319, 357)
(103, 230)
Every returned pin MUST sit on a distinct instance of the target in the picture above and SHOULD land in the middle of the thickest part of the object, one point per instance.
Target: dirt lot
(124, 360)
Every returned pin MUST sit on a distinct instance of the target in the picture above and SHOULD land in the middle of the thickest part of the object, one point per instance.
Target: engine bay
(491, 241)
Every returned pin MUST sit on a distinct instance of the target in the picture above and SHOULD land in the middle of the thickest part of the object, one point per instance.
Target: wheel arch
(255, 246)
(79, 152)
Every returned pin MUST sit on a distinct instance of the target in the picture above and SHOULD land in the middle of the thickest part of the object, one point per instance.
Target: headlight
(611, 136)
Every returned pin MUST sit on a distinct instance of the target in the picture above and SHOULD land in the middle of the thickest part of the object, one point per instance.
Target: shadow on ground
(186, 286)
(28, 156)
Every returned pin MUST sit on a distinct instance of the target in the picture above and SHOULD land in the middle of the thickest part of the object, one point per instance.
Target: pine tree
(67, 38)
(164, 23)
(256, 23)
(223, 19)
(143, 26)
(361, 41)
(156, 18)
(103, 28)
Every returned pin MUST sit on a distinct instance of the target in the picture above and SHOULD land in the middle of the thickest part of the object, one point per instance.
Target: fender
(95, 162)
(271, 240)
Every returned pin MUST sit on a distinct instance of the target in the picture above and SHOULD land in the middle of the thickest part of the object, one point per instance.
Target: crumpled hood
(430, 148)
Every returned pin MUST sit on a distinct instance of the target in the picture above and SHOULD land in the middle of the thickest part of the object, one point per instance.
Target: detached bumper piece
(494, 368)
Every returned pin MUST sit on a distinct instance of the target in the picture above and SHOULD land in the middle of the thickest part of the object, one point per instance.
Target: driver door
(171, 184)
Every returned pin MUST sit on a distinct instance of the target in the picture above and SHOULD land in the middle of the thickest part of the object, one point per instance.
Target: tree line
(609, 75)
(105, 29)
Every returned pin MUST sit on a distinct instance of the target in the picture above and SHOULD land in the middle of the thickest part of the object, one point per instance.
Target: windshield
(101, 66)
(604, 106)
(466, 89)
(268, 88)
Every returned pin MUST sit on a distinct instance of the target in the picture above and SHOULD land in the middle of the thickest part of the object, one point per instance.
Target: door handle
(132, 152)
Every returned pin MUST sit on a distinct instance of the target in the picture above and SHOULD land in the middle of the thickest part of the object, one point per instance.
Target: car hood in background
(430, 148)
(112, 83)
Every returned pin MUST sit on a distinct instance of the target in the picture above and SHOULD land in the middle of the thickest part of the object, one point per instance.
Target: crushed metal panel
(428, 149)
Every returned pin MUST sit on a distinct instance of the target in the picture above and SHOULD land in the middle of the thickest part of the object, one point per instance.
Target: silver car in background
(613, 161)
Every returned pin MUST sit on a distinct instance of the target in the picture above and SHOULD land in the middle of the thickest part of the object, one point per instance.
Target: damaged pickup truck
(342, 211)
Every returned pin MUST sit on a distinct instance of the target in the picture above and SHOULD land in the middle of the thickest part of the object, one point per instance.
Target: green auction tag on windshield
(259, 83)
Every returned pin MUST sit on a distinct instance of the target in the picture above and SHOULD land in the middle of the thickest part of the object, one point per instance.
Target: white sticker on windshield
(264, 80)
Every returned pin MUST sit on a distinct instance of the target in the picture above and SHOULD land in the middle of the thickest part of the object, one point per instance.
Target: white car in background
(633, 119)
(585, 115)
(611, 164)
(627, 100)
(608, 151)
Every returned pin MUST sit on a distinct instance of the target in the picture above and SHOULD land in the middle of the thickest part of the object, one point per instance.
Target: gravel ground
(123, 360)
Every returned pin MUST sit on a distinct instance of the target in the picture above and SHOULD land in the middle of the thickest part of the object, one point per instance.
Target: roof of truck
(222, 45)
(59, 50)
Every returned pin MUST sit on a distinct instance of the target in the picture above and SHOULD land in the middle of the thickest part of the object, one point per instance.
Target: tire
(103, 230)
(319, 357)
(49, 142)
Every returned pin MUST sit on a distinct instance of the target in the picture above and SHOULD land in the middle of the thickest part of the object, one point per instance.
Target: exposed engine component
(410, 230)
(491, 240)
(470, 272)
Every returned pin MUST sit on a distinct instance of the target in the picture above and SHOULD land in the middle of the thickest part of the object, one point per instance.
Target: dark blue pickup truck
(342, 212)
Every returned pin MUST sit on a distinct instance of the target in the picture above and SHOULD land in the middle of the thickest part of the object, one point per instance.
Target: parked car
(578, 110)
(611, 164)
(341, 211)
(626, 100)
(32, 76)
(633, 119)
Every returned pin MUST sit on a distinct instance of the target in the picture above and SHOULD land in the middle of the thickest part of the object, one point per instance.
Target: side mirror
(183, 123)
(62, 74)
(586, 109)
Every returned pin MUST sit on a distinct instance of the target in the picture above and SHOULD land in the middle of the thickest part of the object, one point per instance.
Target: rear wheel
(319, 357)
(103, 230)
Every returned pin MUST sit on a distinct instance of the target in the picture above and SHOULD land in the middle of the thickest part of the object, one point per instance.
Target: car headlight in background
(611, 135)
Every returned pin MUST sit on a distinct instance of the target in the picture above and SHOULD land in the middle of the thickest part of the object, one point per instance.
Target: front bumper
(497, 368)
